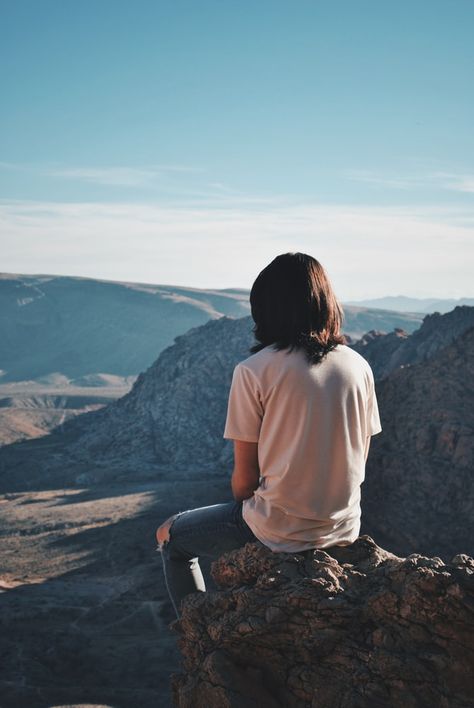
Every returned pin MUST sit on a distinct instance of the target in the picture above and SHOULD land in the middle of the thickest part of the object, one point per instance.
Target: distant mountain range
(419, 490)
(401, 303)
(69, 345)
(81, 326)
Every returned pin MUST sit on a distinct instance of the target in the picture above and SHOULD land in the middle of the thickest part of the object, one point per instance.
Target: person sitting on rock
(301, 411)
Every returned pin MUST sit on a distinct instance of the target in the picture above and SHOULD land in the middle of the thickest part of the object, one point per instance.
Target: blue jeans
(206, 532)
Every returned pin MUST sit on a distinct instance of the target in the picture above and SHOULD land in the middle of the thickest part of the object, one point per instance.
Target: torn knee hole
(163, 531)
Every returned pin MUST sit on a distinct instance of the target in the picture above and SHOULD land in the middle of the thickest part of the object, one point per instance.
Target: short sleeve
(373, 418)
(244, 408)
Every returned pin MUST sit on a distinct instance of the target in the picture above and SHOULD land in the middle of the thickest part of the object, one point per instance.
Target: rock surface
(379, 349)
(388, 352)
(350, 627)
(418, 493)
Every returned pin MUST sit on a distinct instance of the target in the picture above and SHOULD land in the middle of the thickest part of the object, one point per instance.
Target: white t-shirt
(311, 423)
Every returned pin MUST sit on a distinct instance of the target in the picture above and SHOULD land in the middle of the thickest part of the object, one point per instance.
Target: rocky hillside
(418, 490)
(342, 627)
(379, 349)
(81, 326)
(385, 353)
(171, 421)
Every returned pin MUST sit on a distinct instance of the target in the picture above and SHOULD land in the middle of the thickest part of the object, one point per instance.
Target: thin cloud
(393, 182)
(465, 185)
(180, 184)
(116, 176)
(459, 182)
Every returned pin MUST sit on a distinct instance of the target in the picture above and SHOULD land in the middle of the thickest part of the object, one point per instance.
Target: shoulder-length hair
(293, 306)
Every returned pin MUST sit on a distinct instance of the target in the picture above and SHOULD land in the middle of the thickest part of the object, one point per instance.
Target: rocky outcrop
(418, 492)
(388, 352)
(379, 348)
(350, 627)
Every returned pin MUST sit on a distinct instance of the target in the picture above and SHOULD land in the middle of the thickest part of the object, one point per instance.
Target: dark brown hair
(293, 305)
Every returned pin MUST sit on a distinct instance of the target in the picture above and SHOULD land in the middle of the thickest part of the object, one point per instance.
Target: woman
(301, 411)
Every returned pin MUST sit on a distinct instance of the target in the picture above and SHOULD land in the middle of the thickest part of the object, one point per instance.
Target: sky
(189, 143)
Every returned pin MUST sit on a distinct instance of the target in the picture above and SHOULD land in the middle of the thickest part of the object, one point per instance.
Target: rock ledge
(354, 626)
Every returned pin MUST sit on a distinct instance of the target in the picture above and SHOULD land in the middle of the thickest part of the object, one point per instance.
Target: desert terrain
(85, 618)
(31, 409)
(84, 610)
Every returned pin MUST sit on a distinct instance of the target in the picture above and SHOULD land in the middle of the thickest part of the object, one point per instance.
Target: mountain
(170, 425)
(419, 486)
(387, 352)
(401, 303)
(77, 327)
(62, 335)
(170, 422)
(359, 320)
(81, 326)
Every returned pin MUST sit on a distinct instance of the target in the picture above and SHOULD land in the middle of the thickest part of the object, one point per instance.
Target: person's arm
(246, 474)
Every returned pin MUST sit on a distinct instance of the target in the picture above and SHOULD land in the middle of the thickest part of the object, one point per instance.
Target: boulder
(353, 626)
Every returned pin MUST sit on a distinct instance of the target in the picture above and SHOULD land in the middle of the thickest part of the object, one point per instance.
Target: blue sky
(188, 143)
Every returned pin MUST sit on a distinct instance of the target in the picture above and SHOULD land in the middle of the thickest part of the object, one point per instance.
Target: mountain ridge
(385, 353)
(78, 326)
(170, 425)
(402, 303)
(418, 491)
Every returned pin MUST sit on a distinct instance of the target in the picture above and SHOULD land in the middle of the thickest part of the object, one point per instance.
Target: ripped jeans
(206, 532)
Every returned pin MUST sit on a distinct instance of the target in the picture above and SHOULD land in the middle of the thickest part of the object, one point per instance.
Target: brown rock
(354, 626)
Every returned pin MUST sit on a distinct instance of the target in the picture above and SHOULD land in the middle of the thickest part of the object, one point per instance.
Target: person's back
(301, 411)
(312, 424)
